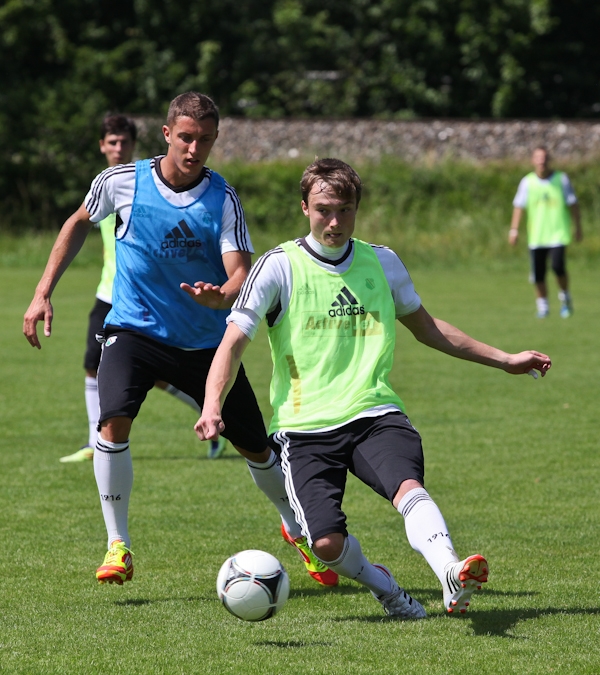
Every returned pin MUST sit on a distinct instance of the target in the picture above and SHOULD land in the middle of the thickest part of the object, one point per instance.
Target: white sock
(542, 304)
(114, 476)
(269, 478)
(426, 530)
(564, 296)
(92, 404)
(352, 564)
(177, 393)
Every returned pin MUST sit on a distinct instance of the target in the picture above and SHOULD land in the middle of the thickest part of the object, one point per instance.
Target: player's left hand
(526, 362)
(205, 294)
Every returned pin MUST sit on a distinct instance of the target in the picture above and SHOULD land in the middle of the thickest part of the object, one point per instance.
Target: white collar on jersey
(328, 252)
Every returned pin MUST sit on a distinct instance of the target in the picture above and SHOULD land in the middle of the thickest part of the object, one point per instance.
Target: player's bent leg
(428, 534)
(317, 569)
(352, 563)
(265, 470)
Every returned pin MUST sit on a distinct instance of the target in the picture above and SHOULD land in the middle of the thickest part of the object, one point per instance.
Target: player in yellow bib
(549, 201)
(331, 303)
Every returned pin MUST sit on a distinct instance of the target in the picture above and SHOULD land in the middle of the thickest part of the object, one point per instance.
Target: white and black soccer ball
(253, 585)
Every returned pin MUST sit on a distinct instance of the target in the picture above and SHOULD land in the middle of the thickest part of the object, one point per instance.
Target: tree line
(65, 63)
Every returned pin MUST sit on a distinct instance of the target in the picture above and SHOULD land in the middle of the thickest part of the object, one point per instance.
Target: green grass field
(512, 462)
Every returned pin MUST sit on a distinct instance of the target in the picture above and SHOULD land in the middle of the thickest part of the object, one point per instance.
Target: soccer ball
(253, 585)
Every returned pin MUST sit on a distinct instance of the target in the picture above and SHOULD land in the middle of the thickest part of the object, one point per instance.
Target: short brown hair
(192, 104)
(339, 176)
(118, 124)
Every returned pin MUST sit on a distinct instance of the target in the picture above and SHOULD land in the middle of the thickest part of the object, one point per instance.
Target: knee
(116, 429)
(329, 547)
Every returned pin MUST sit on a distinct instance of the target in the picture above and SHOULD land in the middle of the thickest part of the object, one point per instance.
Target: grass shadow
(498, 622)
(291, 644)
(174, 458)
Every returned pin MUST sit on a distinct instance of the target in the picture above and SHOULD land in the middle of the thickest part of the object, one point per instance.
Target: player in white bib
(331, 303)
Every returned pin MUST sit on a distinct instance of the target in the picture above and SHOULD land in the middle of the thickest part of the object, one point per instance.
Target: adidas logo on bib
(345, 305)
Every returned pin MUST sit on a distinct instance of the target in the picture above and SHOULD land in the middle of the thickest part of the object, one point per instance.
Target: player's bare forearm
(222, 375)
(237, 265)
(576, 216)
(448, 339)
(513, 233)
(68, 243)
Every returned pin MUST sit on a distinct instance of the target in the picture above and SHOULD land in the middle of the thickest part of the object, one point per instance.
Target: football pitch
(512, 462)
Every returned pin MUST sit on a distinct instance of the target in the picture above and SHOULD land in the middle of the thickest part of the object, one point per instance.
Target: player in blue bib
(182, 252)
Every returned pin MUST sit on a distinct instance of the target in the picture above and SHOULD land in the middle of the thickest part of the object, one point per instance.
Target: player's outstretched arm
(237, 265)
(222, 374)
(68, 243)
(446, 338)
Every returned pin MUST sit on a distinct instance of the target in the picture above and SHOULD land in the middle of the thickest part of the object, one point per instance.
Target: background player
(118, 135)
(331, 303)
(551, 206)
(178, 221)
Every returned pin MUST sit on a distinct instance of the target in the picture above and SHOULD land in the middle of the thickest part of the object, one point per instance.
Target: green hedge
(448, 214)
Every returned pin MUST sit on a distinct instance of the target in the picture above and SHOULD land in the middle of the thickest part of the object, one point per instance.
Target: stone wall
(259, 140)
(417, 140)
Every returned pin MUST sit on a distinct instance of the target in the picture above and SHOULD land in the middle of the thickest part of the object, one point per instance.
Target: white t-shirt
(112, 191)
(268, 288)
(520, 200)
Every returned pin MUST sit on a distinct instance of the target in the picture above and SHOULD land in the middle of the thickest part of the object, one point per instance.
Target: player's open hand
(205, 294)
(528, 363)
(40, 309)
(209, 427)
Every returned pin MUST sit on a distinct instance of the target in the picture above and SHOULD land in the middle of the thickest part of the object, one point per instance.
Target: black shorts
(539, 258)
(93, 349)
(382, 452)
(131, 363)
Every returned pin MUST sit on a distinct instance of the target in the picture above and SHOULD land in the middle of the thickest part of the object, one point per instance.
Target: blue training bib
(163, 246)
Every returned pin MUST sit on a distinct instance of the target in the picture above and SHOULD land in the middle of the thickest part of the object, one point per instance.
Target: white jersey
(521, 198)
(112, 191)
(268, 288)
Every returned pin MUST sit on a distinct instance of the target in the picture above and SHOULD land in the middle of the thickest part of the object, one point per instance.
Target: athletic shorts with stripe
(93, 349)
(131, 363)
(382, 452)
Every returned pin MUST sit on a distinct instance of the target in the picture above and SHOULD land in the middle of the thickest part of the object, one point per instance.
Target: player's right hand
(209, 427)
(40, 309)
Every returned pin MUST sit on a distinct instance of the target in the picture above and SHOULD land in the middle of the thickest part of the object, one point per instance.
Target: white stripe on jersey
(254, 272)
(241, 232)
(99, 183)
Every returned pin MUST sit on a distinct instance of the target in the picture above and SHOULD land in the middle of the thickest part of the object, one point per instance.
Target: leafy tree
(65, 63)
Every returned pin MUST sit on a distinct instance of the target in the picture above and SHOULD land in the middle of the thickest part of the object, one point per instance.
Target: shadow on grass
(319, 591)
(498, 622)
(141, 602)
(173, 458)
(291, 644)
